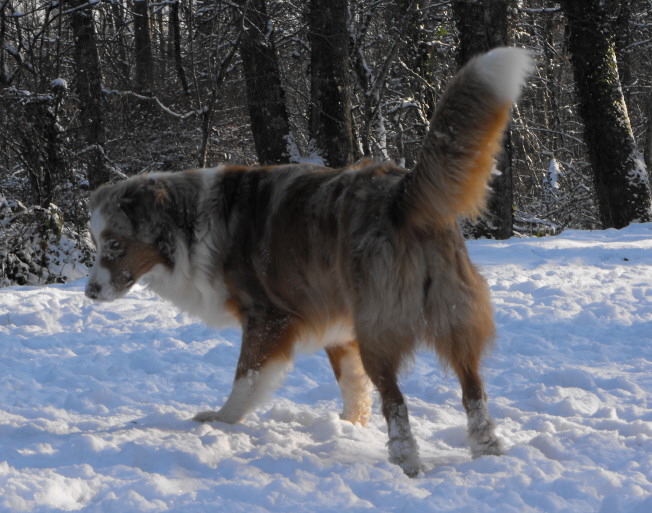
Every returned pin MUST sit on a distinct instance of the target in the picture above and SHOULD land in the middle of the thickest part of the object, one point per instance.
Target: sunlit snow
(95, 402)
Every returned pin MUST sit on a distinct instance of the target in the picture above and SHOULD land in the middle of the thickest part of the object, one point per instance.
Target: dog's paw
(208, 416)
(489, 446)
(405, 453)
(410, 464)
(411, 469)
(356, 417)
(482, 436)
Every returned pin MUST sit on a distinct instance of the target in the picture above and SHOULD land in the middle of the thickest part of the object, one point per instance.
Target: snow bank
(95, 401)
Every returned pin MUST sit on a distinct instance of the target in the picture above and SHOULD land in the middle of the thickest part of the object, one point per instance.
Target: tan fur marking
(139, 258)
(353, 381)
(473, 192)
(335, 355)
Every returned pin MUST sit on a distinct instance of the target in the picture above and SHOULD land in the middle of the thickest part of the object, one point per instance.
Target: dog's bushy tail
(457, 158)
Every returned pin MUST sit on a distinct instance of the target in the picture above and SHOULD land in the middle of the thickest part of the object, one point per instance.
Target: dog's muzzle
(93, 290)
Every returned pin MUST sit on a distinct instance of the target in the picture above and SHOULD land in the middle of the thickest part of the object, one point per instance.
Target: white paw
(403, 451)
(482, 437)
(489, 446)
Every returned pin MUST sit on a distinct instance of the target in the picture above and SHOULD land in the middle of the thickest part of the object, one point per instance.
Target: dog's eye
(113, 249)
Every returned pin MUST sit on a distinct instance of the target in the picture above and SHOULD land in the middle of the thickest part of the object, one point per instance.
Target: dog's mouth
(99, 289)
(97, 292)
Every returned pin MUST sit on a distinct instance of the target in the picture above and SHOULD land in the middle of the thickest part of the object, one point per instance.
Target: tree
(620, 177)
(4, 77)
(88, 85)
(143, 48)
(417, 52)
(622, 40)
(483, 25)
(265, 95)
(331, 123)
(175, 36)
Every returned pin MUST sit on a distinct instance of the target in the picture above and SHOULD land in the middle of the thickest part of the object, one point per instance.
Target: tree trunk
(621, 180)
(419, 55)
(4, 76)
(623, 38)
(88, 85)
(160, 54)
(483, 25)
(143, 49)
(647, 150)
(265, 95)
(119, 41)
(40, 148)
(331, 123)
(175, 29)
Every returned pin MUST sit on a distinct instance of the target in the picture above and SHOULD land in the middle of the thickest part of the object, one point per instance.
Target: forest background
(95, 91)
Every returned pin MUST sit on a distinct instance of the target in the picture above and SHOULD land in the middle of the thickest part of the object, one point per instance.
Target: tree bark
(623, 37)
(88, 85)
(647, 150)
(119, 41)
(331, 123)
(621, 180)
(175, 29)
(265, 95)
(40, 148)
(143, 48)
(4, 76)
(483, 25)
(419, 55)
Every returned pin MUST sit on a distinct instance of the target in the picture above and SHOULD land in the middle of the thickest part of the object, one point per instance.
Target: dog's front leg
(265, 356)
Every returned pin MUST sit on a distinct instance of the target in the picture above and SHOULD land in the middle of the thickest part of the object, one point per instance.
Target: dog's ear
(143, 202)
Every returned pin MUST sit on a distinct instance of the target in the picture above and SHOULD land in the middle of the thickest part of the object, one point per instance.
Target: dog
(366, 262)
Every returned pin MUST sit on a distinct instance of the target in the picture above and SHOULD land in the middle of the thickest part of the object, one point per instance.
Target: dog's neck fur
(195, 282)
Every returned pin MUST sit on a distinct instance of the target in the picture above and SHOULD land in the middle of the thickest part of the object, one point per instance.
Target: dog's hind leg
(481, 428)
(382, 371)
(265, 356)
(353, 380)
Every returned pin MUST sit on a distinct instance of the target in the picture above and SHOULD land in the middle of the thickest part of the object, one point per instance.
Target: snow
(551, 177)
(95, 402)
(59, 83)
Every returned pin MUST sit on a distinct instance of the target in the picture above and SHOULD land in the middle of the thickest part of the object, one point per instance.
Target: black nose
(93, 290)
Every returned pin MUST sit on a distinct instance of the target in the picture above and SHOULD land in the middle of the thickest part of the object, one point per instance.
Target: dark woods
(96, 90)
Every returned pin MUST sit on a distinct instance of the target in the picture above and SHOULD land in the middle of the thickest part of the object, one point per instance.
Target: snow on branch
(154, 99)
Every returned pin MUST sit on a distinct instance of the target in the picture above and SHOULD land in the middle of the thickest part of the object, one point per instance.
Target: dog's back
(373, 244)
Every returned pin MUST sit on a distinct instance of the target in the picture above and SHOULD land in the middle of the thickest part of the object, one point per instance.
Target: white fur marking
(403, 450)
(505, 71)
(336, 334)
(98, 225)
(100, 277)
(248, 392)
(195, 284)
(192, 291)
(208, 176)
(482, 439)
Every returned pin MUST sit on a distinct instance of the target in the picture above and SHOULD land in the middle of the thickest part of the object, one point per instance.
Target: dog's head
(130, 233)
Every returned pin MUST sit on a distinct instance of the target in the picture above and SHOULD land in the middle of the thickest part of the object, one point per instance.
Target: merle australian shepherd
(366, 262)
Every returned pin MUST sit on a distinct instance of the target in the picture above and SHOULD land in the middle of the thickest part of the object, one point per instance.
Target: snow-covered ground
(95, 401)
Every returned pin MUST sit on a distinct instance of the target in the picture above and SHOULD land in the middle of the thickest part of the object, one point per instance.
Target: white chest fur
(193, 292)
